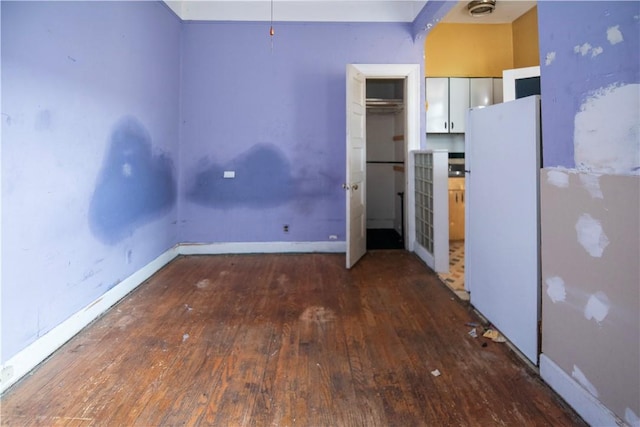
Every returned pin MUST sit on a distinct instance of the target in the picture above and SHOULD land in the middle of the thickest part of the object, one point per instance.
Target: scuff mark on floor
(318, 314)
(204, 283)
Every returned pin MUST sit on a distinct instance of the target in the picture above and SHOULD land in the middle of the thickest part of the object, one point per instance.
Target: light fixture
(481, 7)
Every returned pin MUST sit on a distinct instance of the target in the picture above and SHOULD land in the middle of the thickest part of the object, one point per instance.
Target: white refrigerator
(502, 218)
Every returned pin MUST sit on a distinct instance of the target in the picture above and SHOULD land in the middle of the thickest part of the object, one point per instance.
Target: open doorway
(509, 40)
(385, 174)
(356, 161)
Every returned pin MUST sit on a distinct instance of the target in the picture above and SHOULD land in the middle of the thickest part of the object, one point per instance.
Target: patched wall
(590, 197)
(591, 282)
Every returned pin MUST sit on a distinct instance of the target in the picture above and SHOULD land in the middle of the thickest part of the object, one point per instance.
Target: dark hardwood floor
(286, 340)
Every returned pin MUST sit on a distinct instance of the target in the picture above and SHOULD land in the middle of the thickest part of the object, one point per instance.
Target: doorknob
(354, 186)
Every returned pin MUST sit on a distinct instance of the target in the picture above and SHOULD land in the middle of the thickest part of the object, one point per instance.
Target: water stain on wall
(133, 186)
(262, 179)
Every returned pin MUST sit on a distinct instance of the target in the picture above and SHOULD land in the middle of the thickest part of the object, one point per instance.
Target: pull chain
(271, 30)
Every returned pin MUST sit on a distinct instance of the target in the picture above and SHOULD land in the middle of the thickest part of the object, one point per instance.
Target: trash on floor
(435, 373)
(494, 335)
(472, 324)
(473, 333)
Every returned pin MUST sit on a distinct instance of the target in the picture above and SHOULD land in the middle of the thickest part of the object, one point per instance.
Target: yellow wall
(468, 50)
(525, 40)
(482, 50)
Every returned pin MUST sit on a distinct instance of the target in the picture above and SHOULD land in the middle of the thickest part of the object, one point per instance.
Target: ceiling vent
(481, 7)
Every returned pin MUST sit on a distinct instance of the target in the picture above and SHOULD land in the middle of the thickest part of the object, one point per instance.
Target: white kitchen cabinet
(447, 104)
(458, 104)
(480, 92)
(437, 93)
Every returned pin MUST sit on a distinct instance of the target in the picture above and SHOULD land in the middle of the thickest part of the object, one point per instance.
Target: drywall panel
(590, 282)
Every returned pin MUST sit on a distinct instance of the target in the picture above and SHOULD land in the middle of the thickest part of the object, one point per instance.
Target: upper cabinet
(449, 99)
(480, 92)
(447, 104)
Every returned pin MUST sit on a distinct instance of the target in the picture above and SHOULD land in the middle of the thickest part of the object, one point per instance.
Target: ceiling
(335, 10)
(504, 13)
(298, 10)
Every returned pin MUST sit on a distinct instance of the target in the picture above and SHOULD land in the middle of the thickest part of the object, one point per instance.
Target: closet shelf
(384, 106)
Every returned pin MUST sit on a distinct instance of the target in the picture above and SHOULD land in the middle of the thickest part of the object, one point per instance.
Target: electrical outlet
(285, 228)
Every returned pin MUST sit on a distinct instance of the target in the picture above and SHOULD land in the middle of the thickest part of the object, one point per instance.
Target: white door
(502, 244)
(356, 166)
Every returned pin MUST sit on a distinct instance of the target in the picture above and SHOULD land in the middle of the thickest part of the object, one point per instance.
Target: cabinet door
(458, 104)
(480, 92)
(456, 214)
(437, 95)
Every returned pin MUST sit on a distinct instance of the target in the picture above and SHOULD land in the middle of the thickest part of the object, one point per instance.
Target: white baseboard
(260, 248)
(583, 402)
(27, 359)
(30, 357)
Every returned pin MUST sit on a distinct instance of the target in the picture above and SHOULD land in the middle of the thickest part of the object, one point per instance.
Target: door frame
(411, 75)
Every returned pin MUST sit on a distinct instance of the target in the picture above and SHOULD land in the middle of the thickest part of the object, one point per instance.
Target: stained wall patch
(591, 235)
(614, 35)
(597, 307)
(558, 178)
(584, 382)
(607, 130)
(550, 57)
(631, 418)
(583, 49)
(556, 289)
(591, 183)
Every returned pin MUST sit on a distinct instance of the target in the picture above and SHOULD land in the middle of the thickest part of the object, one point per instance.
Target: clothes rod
(384, 162)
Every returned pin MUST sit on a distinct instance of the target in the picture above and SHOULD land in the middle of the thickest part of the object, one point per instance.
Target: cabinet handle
(462, 197)
(451, 125)
(445, 125)
(456, 197)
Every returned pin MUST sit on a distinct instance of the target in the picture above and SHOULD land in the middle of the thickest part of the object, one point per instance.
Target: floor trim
(34, 354)
(30, 357)
(261, 248)
(585, 404)
(424, 255)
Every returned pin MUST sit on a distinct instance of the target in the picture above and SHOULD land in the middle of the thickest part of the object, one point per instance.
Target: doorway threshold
(454, 279)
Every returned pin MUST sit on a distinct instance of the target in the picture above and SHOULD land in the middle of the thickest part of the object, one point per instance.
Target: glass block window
(424, 200)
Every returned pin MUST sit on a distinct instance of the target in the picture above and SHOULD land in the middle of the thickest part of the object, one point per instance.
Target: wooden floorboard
(285, 340)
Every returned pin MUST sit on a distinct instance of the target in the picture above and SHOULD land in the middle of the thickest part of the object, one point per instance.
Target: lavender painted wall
(580, 55)
(276, 118)
(90, 107)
